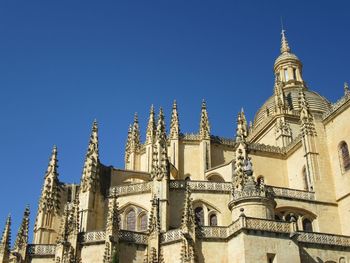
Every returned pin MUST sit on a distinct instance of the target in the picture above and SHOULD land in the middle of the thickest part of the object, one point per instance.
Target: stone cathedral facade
(279, 191)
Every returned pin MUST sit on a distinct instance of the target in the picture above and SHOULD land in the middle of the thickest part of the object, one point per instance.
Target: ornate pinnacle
(135, 135)
(174, 125)
(161, 132)
(128, 144)
(90, 172)
(307, 124)
(284, 43)
(6, 238)
(22, 235)
(204, 128)
(154, 223)
(188, 221)
(151, 127)
(49, 200)
(241, 131)
(112, 225)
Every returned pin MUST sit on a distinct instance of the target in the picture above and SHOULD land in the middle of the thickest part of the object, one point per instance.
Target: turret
(5, 242)
(45, 231)
(21, 242)
(288, 68)
(204, 133)
(174, 137)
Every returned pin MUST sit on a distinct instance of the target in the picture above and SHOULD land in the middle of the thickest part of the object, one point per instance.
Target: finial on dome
(284, 43)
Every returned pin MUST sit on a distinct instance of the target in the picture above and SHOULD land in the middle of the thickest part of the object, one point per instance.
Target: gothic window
(286, 77)
(199, 214)
(213, 220)
(130, 220)
(307, 225)
(143, 222)
(344, 156)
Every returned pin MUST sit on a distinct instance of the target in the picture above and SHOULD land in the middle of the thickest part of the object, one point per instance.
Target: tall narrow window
(294, 73)
(199, 214)
(143, 222)
(286, 77)
(130, 220)
(307, 225)
(213, 220)
(344, 156)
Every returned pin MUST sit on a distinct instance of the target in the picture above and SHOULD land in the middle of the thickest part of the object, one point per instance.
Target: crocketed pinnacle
(90, 171)
(284, 43)
(6, 236)
(346, 88)
(112, 225)
(174, 124)
(135, 135)
(128, 144)
(154, 221)
(241, 132)
(22, 235)
(204, 128)
(151, 127)
(49, 200)
(188, 221)
(161, 131)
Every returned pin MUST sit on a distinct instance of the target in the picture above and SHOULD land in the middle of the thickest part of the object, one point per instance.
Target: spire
(241, 131)
(135, 135)
(89, 179)
(22, 235)
(174, 125)
(284, 43)
(151, 127)
(128, 144)
(50, 196)
(5, 241)
(204, 128)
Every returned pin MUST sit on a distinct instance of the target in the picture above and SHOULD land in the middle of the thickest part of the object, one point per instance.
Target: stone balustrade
(133, 237)
(323, 239)
(203, 186)
(291, 193)
(90, 237)
(267, 225)
(171, 236)
(132, 188)
(41, 250)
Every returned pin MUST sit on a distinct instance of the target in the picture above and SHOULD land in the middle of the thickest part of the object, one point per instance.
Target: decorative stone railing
(41, 250)
(191, 136)
(91, 237)
(223, 141)
(133, 237)
(132, 188)
(292, 144)
(267, 225)
(337, 105)
(323, 239)
(213, 232)
(171, 236)
(237, 195)
(201, 186)
(265, 148)
(291, 193)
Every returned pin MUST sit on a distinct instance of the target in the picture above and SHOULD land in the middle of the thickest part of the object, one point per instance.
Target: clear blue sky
(64, 63)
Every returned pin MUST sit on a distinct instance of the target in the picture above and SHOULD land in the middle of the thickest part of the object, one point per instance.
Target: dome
(317, 104)
(286, 56)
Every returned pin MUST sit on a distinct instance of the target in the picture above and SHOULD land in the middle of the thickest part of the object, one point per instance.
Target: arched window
(213, 220)
(130, 220)
(307, 225)
(344, 156)
(143, 222)
(199, 214)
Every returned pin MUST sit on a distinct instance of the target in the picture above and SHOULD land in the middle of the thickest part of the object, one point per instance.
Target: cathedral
(279, 191)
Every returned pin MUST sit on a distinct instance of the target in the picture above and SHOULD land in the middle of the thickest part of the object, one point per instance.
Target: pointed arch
(344, 156)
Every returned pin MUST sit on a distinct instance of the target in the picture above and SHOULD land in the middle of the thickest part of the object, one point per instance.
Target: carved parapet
(133, 237)
(93, 237)
(171, 236)
(41, 250)
(267, 225)
(336, 106)
(287, 193)
(201, 186)
(132, 189)
(323, 239)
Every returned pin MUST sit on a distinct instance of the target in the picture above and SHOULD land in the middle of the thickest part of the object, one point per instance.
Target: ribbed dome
(286, 56)
(317, 103)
